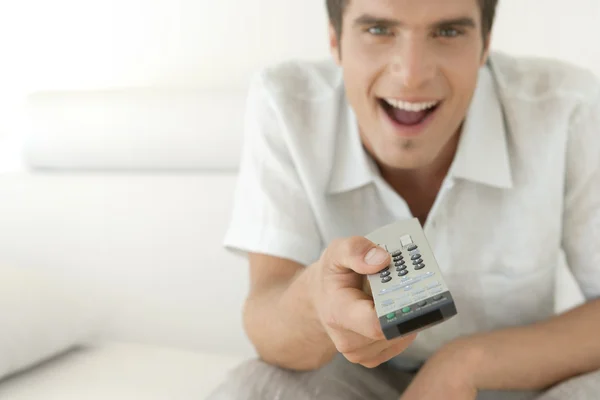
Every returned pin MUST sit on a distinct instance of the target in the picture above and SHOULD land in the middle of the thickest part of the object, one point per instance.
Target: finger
(367, 354)
(354, 311)
(348, 342)
(367, 287)
(393, 349)
(357, 254)
(357, 348)
(375, 353)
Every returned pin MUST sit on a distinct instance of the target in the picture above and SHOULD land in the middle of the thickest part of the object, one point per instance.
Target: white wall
(82, 43)
(72, 44)
(565, 29)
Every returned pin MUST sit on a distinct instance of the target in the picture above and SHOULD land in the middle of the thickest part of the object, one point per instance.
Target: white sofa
(126, 198)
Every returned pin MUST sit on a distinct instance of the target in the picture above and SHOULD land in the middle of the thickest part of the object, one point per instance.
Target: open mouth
(408, 114)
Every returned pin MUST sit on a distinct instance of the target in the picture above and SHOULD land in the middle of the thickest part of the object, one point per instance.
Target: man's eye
(379, 31)
(448, 32)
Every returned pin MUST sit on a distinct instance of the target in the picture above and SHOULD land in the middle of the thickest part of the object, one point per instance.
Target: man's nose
(412, 63)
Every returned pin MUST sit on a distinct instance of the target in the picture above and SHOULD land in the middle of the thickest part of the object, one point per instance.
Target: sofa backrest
(128, 193)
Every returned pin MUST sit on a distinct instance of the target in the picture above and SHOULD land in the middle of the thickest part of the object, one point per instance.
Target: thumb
(357, 254)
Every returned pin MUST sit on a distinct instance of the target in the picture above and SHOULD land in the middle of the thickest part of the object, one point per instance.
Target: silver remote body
(410, 294)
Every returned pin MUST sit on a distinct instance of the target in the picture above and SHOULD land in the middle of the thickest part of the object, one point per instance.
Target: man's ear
(334, 45)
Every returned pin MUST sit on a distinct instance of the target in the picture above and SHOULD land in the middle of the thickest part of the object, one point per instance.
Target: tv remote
(410, 294)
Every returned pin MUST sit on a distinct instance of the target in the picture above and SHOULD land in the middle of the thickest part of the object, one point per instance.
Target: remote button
(391, 315)
(405, 310)
(420, 266)
(386, 279)
(412, 247)
(385, 273)
(423, 304)
(402, 268)
(397, 254)
(400, 263)
(438, 297)
(406, 240)
(415, 256)
(404, 272)
(385, 269)
(434, 285)
(399, 258)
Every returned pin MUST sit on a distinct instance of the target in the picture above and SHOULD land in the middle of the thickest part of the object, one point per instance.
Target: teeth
(414, 107)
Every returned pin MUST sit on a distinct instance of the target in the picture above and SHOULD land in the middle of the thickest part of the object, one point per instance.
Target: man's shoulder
(306, 98)
(301, 109)
(531, 77)
(301, 80)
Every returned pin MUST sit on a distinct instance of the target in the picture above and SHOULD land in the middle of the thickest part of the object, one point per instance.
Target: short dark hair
(336, 8)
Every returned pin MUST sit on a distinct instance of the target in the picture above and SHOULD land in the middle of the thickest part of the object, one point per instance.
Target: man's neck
(420, 187)
(429, 176)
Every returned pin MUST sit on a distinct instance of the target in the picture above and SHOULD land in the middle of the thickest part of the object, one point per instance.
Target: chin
(402, 159)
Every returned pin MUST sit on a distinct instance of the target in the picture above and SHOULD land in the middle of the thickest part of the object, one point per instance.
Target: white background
(74, 44)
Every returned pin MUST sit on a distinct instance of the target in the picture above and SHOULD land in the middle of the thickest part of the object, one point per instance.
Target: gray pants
(342, 380)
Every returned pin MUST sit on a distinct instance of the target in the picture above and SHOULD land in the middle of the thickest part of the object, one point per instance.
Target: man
(498, 157)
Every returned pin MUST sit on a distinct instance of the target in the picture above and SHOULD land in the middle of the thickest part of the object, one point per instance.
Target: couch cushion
(135, 129)
(120, 371)
(42, 314)
(149, 246)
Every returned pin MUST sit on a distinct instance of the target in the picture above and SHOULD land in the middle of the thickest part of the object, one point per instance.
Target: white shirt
(523, 190)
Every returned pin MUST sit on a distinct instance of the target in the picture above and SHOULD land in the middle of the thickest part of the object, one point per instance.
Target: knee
(255, 380)
(581, 387)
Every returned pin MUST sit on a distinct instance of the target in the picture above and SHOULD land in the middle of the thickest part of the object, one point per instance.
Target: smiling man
(497, 156)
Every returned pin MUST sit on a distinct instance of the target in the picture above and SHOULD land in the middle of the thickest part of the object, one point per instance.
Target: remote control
(410, 294)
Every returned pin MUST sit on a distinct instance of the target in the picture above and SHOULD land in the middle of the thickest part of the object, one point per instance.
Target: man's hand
(346, 312)
(447, 375)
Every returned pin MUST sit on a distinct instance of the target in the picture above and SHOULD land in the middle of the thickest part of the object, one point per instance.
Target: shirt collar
(482, 154)
(352, 166)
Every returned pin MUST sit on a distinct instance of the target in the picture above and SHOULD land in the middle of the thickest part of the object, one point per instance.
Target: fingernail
(376, 256)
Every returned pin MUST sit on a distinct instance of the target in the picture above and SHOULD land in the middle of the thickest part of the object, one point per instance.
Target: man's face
(410, 70)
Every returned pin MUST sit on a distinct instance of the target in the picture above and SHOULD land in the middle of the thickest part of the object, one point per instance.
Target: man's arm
(548, 352)
(299, 318)
(532, 357)
(536, 356)
(279, 317)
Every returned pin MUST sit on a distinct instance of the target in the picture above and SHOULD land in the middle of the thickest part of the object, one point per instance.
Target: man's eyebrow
(466, 22)
(367, 19)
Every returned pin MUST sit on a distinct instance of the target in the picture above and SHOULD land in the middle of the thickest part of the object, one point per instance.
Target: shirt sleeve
(581, 219)
(271, 213)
